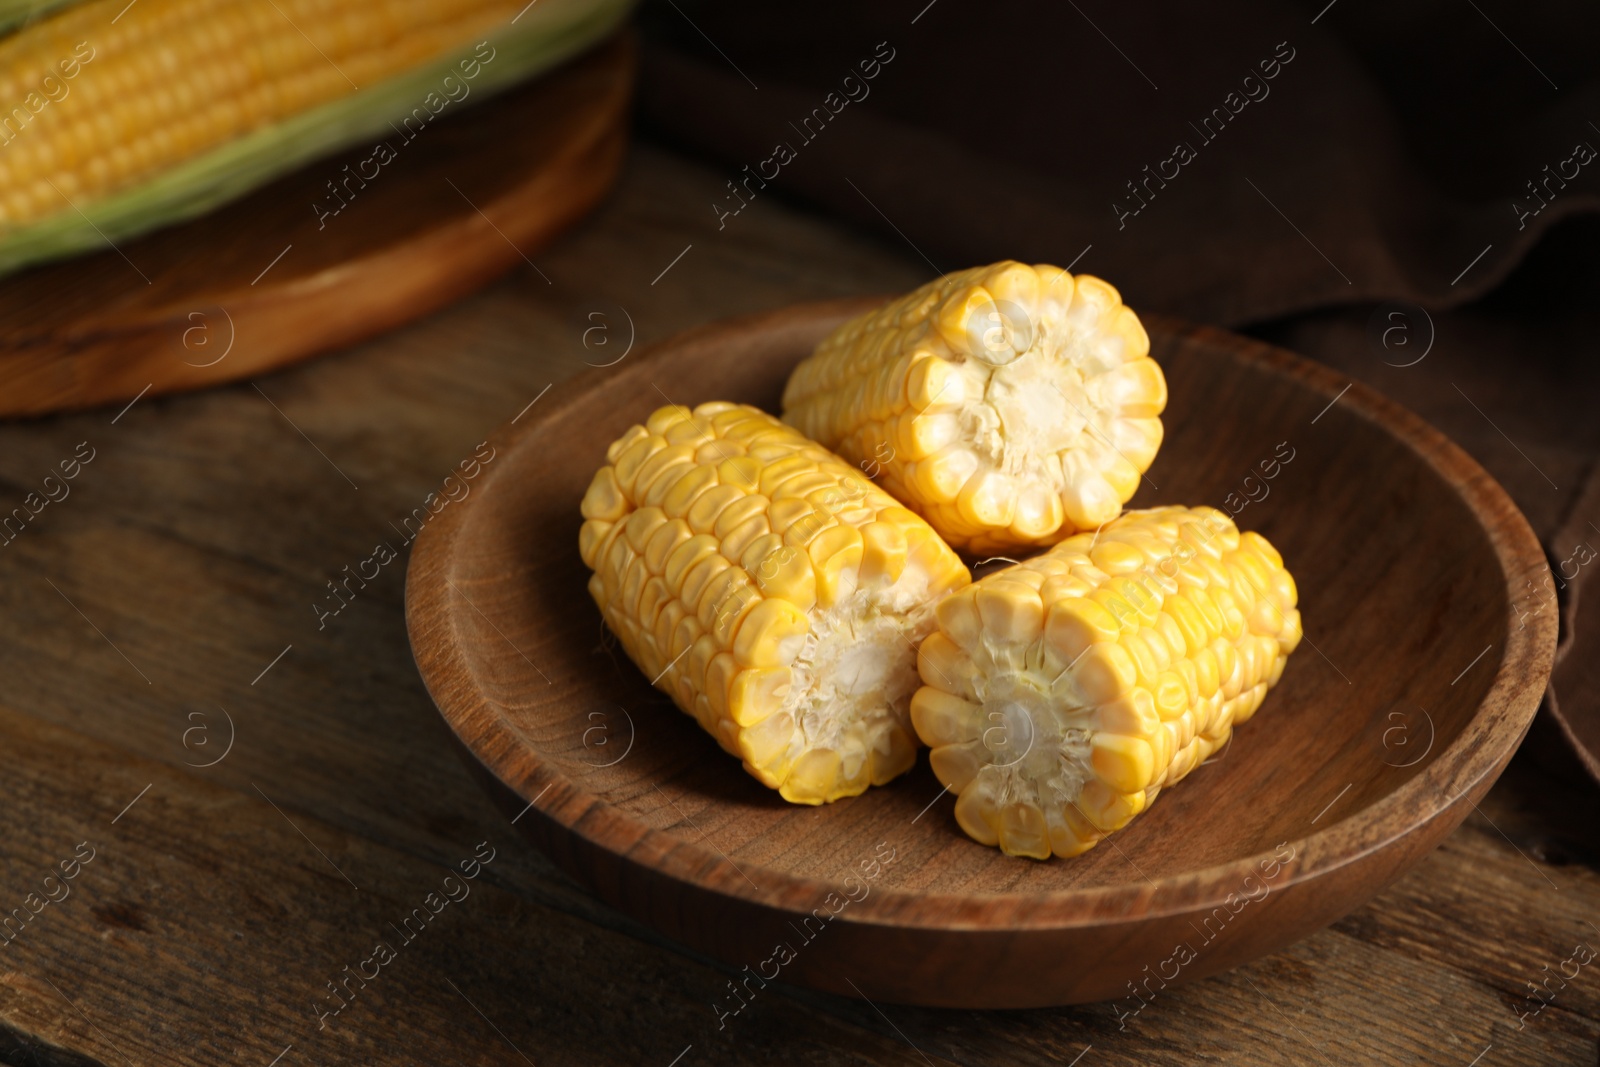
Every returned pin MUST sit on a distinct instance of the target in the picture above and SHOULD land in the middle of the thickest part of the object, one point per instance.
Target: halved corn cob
(772, 590)
(1062, 694)
(1008, 405)
(175, 106)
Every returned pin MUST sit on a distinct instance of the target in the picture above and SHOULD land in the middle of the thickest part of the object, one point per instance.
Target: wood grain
(1415, 601)
(264, 282)
(198, 540)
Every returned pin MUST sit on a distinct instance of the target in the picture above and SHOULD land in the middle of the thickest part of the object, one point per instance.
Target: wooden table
(166, 606)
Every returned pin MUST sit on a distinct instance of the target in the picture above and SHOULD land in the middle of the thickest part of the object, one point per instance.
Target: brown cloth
(1282, 166)
(1573, 700)
(1373, 155)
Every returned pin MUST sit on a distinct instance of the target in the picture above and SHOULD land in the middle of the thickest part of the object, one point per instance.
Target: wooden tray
(261, 283)
(1417, 680)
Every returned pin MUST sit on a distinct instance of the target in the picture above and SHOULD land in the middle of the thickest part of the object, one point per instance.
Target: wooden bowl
(1419, 676)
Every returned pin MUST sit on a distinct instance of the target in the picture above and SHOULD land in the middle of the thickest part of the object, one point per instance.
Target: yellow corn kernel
(1055, 720)
(1008, 405)
(794, 649)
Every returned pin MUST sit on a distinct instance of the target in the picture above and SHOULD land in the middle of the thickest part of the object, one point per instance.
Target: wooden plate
(261, 283)
(1419, 676)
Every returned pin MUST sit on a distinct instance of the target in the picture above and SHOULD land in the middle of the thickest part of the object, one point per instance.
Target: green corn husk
(547, 33)
(14, 13)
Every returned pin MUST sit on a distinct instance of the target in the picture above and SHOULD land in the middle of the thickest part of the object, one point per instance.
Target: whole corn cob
(1008, 405)
(174, 106)
(1060, 695)
(771, 589)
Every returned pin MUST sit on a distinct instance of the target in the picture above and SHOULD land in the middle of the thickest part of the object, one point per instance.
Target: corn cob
(1008, 405)
(184, 104)
(1060, 695)
(771, 589)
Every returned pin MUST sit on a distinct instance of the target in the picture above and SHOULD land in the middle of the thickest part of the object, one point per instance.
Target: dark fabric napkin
(1283, 167)
(1228, 163)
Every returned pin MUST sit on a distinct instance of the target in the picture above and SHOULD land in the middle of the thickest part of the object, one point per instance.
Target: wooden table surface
(251, 795)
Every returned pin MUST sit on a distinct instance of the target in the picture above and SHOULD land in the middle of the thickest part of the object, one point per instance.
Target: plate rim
(1470, 763)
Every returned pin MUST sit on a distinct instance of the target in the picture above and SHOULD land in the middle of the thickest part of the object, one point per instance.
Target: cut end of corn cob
(771, 589)
(1008, 405)
(1062, 694)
